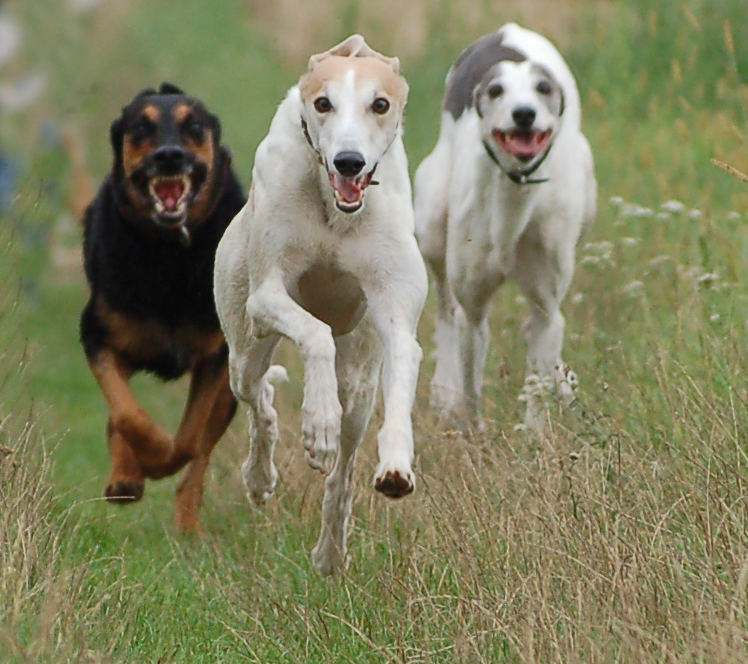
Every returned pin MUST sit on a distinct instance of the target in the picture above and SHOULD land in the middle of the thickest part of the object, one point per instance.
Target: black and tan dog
(150, 239)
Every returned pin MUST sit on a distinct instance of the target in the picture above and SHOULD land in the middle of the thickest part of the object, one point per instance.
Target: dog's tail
(273, 376)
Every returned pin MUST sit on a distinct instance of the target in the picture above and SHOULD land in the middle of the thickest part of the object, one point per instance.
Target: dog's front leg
(402, 357)
(129, 425)
(272, 310)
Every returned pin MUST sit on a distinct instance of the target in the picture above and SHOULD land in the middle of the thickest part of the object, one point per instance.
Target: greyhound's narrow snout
(349, 163)
(524, 116)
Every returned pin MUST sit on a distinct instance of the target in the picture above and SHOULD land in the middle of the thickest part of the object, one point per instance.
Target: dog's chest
(331, 294)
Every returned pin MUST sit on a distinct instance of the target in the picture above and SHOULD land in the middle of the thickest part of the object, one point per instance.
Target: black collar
(316, 151)
(521, 176)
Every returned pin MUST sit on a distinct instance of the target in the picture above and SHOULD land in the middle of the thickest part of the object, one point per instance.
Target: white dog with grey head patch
(506, 194)
(324, 254)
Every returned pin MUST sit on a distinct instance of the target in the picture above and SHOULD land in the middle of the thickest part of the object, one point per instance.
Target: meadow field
(622, 536)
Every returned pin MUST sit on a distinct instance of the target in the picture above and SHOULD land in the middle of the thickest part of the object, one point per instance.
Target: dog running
(324, 254)
(150, 237)
(506, 193)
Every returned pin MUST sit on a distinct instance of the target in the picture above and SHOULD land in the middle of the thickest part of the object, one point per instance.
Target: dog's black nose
(349, 163)
(524, 116)
(169, 157)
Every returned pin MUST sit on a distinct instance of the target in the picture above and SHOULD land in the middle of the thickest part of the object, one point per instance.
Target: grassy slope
(623, 536)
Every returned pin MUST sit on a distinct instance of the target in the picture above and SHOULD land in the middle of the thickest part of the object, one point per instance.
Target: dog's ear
(147, 92)
(115, 136)
(477, 97)
(354, 46)
(170, 89)
(224, 161)
(215, 127)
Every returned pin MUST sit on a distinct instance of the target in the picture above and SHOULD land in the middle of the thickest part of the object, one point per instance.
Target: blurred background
(643, 480)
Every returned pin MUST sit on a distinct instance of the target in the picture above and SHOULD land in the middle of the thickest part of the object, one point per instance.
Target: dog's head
(169, 166)
(353, 100)
(520, 105)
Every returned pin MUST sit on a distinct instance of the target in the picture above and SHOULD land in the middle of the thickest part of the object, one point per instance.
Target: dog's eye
(543, 87)
(142, 129)
(322, 105)
(194, 130)
(380, 106)
(495, 90)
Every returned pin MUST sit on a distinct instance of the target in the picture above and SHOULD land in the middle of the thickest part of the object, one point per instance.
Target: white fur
(477, 228)
(290, 223)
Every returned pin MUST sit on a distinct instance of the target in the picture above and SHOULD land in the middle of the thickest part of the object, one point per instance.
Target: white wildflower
(636, 211)
(577, 298)
(659, 259)
(694, 214)
(663, 216)
(616, 200)
(673, 206)
(630, 241)
(707, 278)
(714, 318)
(633, 287)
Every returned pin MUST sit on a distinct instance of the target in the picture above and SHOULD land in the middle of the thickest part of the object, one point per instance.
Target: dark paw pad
(393, 485)
(124, 491)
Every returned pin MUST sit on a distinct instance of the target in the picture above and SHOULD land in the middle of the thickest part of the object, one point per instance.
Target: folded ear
(354, 46)
(115, 136)
(477, 96)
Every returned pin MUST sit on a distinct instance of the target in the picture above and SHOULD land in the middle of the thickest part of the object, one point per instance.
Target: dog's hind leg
(430, 205)
(358, 359)
(258, 378)
(210, 407)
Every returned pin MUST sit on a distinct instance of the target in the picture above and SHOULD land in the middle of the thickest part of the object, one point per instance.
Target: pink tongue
(169, 193)
(524, 143)
(347, 187)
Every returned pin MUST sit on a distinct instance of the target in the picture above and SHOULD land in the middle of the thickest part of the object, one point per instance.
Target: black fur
(148, 273)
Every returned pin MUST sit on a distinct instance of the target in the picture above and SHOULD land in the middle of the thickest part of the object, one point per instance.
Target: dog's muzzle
(171, 178)
(524, 144)
(347, 182)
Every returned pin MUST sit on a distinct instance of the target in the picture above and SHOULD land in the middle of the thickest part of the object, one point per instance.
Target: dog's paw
(566, 383)
(260, 483)
(321, 432)
(125, 490)
(394, 482)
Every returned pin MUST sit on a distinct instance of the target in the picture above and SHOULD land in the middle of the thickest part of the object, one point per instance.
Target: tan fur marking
(180, 112)
(367, 68)
(150, 443)
(332, 295)
(150, 338)
(152, 113)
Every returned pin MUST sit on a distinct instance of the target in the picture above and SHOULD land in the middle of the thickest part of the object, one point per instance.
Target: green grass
(622, 537)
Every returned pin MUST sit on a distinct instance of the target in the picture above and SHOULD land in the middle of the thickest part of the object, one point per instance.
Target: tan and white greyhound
(323, 257)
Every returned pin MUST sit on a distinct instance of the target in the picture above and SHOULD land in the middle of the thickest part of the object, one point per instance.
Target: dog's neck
(522, 175)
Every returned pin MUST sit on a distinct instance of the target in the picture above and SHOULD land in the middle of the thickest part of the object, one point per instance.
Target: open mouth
(524, 144)
(170, 195)
(349, 191)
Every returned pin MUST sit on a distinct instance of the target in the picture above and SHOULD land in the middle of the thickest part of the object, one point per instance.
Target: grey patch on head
(471, 67)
